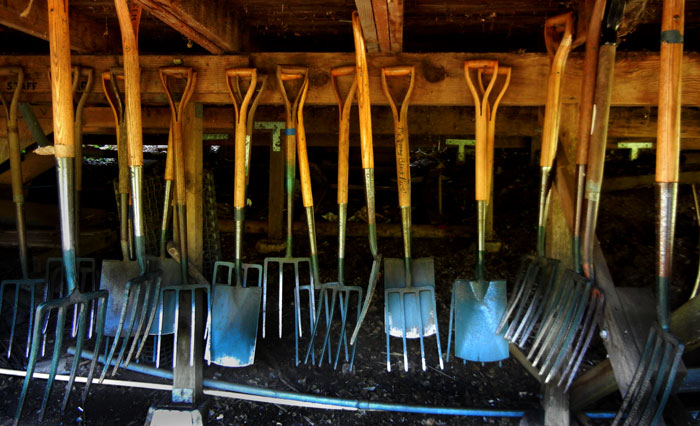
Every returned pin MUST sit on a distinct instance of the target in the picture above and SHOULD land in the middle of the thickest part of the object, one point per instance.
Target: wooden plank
(395, 9)
(187, 380)
(369, 29)
(635, 75)
(212, 24)
(381, 22)
(35, 24)
(32, 166)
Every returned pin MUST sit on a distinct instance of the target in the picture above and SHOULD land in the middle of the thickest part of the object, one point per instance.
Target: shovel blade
(114, 277)
(416, 304)
(234, 326)
(478, 309)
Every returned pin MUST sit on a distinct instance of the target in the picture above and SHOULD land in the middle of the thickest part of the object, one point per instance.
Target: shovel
(534, 290)
(24, 283)
(409, 284)
(339, 289)
(367, 148)
(64, 152)
(653, 380)
(133, 291)
(287, 73)
(176, 287)
(236, 307)
(477, 306)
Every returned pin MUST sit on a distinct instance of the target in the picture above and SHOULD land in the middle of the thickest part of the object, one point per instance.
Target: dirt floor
(626, 233)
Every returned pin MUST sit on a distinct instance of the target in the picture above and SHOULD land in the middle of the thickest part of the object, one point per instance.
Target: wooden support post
(275, 216)
(187, 380)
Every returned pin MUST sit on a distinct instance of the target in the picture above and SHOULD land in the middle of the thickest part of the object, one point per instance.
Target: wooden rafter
(211, 24)
(382, 24)
(35, 23)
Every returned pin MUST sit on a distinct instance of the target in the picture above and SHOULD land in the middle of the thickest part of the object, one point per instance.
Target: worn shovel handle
(363, 94)
(504, 72)
(590, 64)
(304, 171)
(240, 104)
(114, 98)
(344, 106)
(177, 111)
(61, 80)
(12, 130)
(669, 120)
(558, 38)
(403, 160)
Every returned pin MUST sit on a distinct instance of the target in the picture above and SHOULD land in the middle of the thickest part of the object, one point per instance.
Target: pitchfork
(64, 153)
(339, 288)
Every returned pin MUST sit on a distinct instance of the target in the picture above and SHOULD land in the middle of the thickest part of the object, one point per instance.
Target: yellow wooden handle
(481, 106)
(13, 132)
(403, 160)
(344, 106)
(290, 73)
(190, 77)
(61, 81)
(669, 121)
(240, 103)
(562, 26)
(304, 172)
(363, 94)
(491, 140)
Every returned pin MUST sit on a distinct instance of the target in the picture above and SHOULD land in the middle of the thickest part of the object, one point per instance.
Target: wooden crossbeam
(86, 35)
(636, 77)
(211, 24)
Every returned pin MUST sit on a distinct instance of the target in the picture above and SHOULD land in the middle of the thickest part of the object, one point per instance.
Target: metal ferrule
(481, 241)
(666, 198)
(124, 224)
(136, 173)
(166, 216)
(64, 172)
(406, 230)
(289, 188)
(238, 217)
(578, 216)
(182, 235)
(22, 237)
(342, 228)
(371, 209)
(545, 180)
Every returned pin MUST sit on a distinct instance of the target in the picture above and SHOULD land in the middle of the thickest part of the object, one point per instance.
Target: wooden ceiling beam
(212, 24)
(382, 24)
(439, 77)
(86, 35)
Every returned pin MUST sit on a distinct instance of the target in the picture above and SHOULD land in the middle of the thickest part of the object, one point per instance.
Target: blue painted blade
(234, 325)
(423, 271)
(114, 276)
(479, 307)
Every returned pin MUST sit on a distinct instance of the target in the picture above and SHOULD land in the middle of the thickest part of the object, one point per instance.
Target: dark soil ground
(626, 233)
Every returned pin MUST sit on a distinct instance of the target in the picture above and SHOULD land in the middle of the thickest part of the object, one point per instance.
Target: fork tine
(60, 325)
(101, 316)
(42, 310)
(82, 323)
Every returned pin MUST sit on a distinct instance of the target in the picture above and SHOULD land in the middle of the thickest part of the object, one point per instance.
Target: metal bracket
(634, 148)
(461, 145)
(277, 127)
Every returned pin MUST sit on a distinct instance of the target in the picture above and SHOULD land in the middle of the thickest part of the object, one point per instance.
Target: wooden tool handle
(288, 73)
(177, 111)
(78, 132)
(558, 50)
(129, 16)
(491, 140)
(111, 91)
(169, 156)
(590, 64)
(61, 81)
(260, 88)
(304, 172)
(669, 121)
(403, 160)
(344, 106)
(599, 136)
(363, 94)
(481, 105)
(241, 114)
(13, 132)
